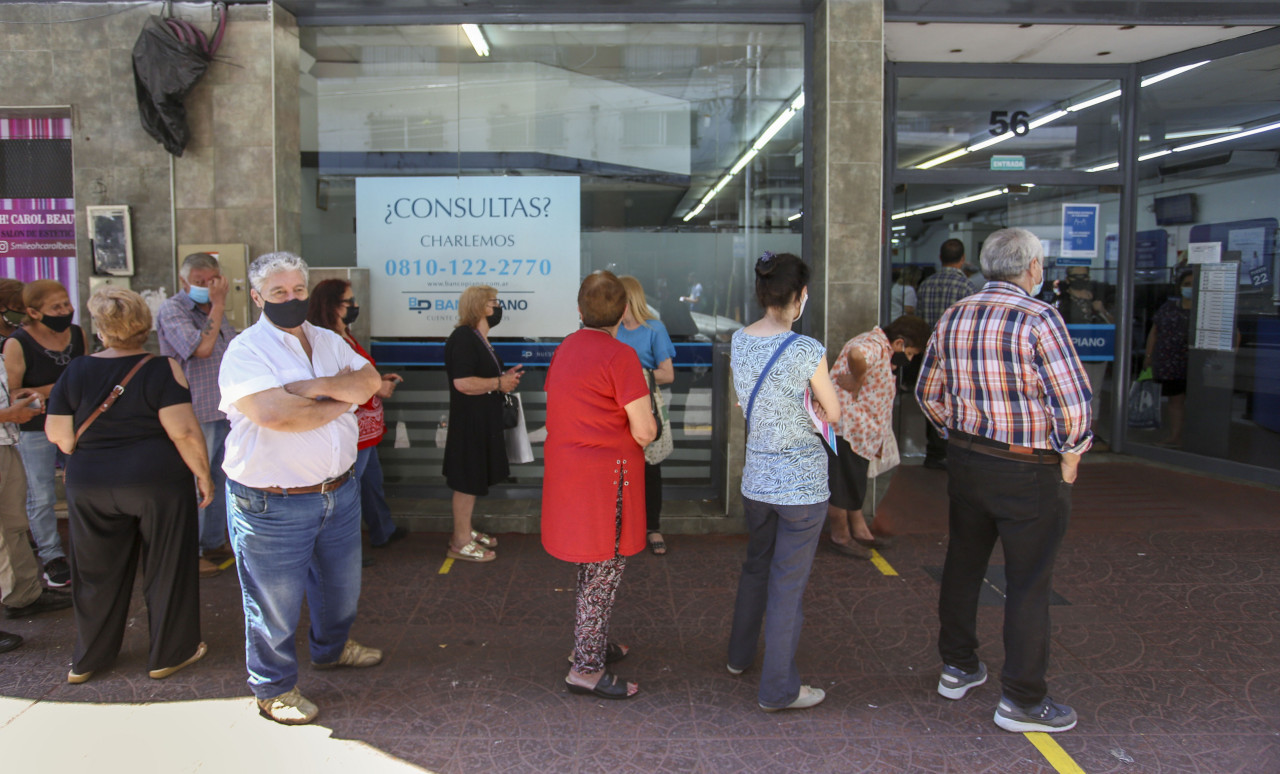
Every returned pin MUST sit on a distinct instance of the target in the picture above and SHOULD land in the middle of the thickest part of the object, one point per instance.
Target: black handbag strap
(751, 402)
(112, 396)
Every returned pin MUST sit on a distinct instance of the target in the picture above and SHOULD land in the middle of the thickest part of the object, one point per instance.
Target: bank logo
(419, 304)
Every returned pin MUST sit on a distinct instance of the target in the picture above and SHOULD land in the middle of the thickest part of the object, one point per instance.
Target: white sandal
(488, 541)
(471, 552)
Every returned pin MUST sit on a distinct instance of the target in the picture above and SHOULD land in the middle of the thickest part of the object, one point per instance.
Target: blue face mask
(1186, 292)
(198, 294)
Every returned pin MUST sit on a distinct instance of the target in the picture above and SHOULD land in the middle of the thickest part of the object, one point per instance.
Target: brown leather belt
(320, 488)
(1004, 451)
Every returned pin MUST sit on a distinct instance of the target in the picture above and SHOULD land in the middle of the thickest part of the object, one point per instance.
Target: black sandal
(658, 547)
(609, 687)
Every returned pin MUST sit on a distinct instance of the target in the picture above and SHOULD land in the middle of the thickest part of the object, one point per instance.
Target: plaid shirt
(1001, 365)
(938, 293)
(178, 326)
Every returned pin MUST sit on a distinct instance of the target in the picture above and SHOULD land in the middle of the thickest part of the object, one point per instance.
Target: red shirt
(369, 416)
(591, 458)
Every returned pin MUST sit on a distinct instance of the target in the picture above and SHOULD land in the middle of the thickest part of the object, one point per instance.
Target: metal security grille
(35, 169)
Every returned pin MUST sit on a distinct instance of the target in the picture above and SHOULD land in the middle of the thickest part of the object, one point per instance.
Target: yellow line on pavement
(881, 565)
(1053, 753)
(444, 568)
(229, 563)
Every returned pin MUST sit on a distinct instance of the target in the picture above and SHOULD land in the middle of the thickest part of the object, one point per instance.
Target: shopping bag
(662, 447)
(519, 450)
(1144, 405)
(402, 436)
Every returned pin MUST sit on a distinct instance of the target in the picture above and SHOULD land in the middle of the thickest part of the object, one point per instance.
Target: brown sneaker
(291, 709)
(208, 569)
(354, 655)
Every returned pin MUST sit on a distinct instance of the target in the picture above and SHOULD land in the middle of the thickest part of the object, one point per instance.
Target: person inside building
(784, 479)
(194, 329)
(333, 305)
(937, 293)
(34, 357)
(599, 419)
(291, 390)
(1081, 301)
(1002, 382)
(130, 491)
(475, 452)
(1166, 355)
(902, 296)
(646, 334)
(866, 386)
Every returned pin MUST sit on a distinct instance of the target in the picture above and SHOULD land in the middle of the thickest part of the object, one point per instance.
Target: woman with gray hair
(130, 494)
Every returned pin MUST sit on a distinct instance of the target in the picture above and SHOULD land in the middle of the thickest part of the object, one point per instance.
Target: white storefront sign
(426, 239)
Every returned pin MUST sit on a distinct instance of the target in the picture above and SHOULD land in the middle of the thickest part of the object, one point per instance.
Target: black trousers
(652, 496)
(935, 446)
(111, 529)
(1027, 506)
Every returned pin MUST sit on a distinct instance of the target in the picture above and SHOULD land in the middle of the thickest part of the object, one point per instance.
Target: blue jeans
(780, 551)
(288, 546)
(213, 519)
(39, 460)
(373, 500)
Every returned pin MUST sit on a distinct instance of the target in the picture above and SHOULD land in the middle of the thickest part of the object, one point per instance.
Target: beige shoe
(75, 678)
(160, 674)
(354, 655)
(808, 697)
(291, 709)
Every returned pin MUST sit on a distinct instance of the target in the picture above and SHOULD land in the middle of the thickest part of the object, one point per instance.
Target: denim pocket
(250, 502)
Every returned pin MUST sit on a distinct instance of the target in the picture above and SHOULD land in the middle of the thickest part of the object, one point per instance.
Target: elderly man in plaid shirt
(1002, 382)
(194, 330)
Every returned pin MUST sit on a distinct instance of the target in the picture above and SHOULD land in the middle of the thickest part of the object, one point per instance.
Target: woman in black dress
(475, 453)
(129, 492)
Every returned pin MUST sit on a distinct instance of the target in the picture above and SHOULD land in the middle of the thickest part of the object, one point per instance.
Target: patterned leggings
(597, 586)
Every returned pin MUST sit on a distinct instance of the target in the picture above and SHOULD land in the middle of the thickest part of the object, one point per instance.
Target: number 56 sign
(1002, 122)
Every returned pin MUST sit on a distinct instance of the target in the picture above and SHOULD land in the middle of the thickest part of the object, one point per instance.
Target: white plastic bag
(519, 450)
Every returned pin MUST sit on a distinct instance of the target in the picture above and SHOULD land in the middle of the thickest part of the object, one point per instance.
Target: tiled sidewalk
(1167, 648)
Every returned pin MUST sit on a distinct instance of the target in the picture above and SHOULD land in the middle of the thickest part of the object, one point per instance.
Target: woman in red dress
(599, 419)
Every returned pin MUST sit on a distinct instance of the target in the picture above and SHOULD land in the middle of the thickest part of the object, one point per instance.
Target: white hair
(1009, 252)
(196, 261)
(272, 263)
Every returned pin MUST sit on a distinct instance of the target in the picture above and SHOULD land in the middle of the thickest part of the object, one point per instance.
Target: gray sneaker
(1047, 716)
(954, 682)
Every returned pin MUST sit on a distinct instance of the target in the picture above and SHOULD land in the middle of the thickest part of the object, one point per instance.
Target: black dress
(45, 366)
(128, 494)
(475, 453)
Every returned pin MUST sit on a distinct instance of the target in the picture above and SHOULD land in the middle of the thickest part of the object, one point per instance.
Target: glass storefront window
(971, 123)
(1207, 222)
(686, 141)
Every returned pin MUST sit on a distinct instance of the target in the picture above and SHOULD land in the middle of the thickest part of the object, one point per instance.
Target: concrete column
(848, 109)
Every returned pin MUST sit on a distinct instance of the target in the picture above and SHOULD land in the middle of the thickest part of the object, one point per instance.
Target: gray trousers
(780, 551)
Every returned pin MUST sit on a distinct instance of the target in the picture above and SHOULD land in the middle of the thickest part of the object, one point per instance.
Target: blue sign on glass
(1080, 230)
(1094, 343)
(1152, 249)
(400, 354)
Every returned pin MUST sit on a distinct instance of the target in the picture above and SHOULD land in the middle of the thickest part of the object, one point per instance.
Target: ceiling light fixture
(794, 217)
(948, 204)
(774, 126)
(476, 36)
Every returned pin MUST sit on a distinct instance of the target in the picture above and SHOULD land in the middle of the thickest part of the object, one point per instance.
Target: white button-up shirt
(264, 357)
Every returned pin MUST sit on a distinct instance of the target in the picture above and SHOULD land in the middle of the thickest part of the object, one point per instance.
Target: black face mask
(353, 312)
(286, 314)
(56, 322)
(494, 318)
(899, 360)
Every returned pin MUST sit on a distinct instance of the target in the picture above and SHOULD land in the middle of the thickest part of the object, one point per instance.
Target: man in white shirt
(290, 390)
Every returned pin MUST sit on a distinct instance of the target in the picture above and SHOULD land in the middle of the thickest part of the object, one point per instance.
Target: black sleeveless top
(45, 366)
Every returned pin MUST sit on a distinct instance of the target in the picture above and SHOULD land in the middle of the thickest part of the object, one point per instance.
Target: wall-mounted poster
(1080, 230)
(426, 239)
(111, 240)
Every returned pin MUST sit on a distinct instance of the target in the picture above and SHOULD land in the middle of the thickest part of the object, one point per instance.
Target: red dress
(592, 462)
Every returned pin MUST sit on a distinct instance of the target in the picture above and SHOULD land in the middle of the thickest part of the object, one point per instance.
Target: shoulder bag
(662, 446)
(510, 408)
(112, 397)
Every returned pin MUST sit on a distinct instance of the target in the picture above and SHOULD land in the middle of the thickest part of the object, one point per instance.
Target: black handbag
(510, 411)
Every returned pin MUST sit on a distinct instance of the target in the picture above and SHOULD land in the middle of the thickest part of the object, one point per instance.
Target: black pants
(110, 527)
(652, 496)
(935, 446)
(1027, 506)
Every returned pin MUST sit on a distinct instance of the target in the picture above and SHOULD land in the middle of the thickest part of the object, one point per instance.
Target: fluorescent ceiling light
(992, 141)
(1236, 136)
(798, 102)
(1104, 167)
(794, 217)
(947, 205)
(1095, 101)
(1194, 133)
(775, 127)
(477, 38)
(979, 197)
(1039, 122)
(955, 154)
(694, 213)
(1171, 73)
(899, 228)
(742, 162)
(1155, 155)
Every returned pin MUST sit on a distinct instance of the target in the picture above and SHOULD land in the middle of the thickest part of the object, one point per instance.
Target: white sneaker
(291, 709)
(809, 697)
